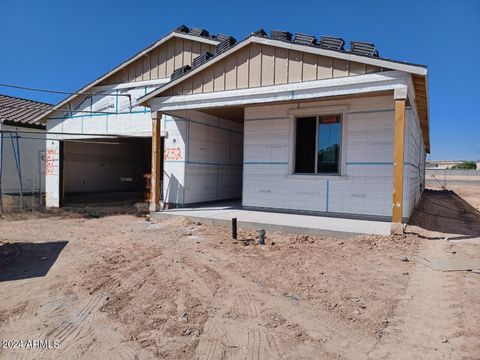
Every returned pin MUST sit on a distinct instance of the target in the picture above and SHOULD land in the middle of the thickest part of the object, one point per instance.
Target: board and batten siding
(202, 159)
(365, 187)
(258, 65)
(160, 62)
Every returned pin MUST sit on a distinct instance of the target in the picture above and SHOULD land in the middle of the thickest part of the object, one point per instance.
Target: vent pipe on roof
(201, 59)
(199, 32)
(182, 29)
(281, 35)
(305, 39)
(363, 48)
(180, 72)
(224, 45)
(332, 42)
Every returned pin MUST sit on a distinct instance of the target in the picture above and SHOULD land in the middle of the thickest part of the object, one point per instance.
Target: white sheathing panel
(114, 117)
(365, 186)
(213, 158)
(52, 173)
(174, 160)
(135, 124)
(414, 171)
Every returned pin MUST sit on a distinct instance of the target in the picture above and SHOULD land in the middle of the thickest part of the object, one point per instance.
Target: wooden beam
(156, 162)
(398, 159)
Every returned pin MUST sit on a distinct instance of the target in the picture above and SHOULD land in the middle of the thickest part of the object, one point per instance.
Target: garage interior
(107, 172)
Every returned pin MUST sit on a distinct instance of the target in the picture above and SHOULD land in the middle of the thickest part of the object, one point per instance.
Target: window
(318, 144)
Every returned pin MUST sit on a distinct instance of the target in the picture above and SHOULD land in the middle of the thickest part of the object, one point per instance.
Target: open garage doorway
(111, 172)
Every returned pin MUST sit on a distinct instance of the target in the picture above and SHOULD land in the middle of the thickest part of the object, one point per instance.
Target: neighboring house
(290, 124)
(22, 153)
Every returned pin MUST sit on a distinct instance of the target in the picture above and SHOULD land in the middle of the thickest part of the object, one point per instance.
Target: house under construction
(290, 123)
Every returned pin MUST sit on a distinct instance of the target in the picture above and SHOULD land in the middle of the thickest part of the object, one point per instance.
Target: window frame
(295, 115)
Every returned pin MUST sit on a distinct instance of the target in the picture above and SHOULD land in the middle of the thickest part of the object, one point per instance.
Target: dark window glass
(328, 147)
(305, 145)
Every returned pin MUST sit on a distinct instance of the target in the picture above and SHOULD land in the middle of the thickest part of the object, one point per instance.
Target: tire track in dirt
(317, 324)
(24, 355)
(77, 324)
(31, 309)
(79, 340)
(232, 334)
(244, 304)
(321, 325)
(261, 345)
(207, 279)
(216, 341)
(214, 350)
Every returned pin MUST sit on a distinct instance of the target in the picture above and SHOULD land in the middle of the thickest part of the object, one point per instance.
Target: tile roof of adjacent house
(21, 112)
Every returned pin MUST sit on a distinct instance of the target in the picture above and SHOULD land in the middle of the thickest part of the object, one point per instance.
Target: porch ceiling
(233, 113)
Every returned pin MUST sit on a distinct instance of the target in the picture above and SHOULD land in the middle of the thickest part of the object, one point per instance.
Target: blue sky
(65, 44)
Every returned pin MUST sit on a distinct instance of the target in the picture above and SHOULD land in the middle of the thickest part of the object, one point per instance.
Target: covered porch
(367, 106)
(321, 133)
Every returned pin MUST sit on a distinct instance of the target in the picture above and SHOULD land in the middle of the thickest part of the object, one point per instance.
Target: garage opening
(112, 172)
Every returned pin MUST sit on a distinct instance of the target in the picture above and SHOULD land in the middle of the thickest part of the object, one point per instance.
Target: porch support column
(400, 97)
(156, 175)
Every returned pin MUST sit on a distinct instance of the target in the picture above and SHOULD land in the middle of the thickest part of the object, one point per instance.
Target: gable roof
(179, 33)
(19, 111)
(416, 69)
(418, 72)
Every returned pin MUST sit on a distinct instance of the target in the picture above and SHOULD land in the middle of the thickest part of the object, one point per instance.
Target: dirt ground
(124, 287)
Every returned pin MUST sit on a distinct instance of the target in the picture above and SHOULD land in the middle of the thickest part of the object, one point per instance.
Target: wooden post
(398, 160)
(156, 174)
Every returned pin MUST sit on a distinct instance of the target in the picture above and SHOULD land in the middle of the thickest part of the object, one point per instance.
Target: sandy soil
(123, 287)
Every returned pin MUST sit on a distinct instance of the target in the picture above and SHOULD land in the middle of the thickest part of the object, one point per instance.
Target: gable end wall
(259, 65)
(160, 62)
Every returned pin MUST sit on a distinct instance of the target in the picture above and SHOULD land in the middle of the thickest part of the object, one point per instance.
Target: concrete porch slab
(222, 214)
